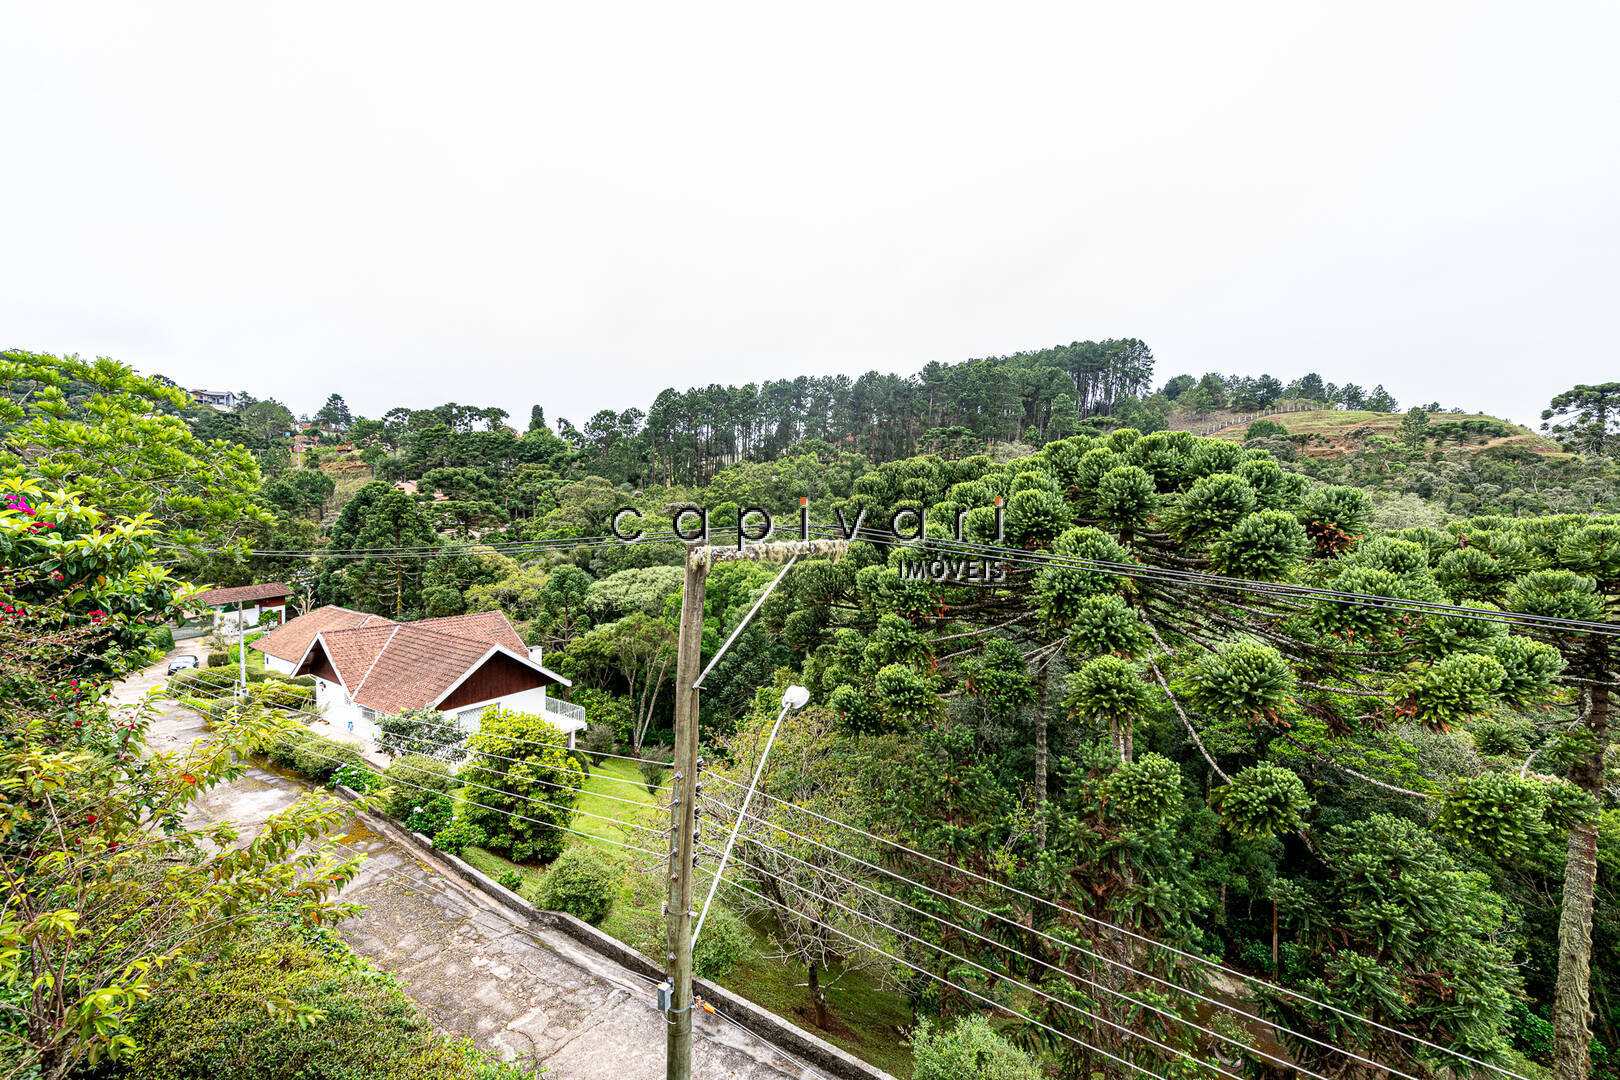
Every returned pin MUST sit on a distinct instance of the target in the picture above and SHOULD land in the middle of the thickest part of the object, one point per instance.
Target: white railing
(565, 708)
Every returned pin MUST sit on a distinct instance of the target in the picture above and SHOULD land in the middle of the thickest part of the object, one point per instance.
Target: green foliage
(583, 882)
(1147, 790)
(1264, 429)
(1240, 680)
(520, 784)
(971, 1050)
(431, 814)
(1446, 693)
(312, 756)
(1262, 801)
(458, 836)
(1266, 546)
(1500, 814)
(363, 1026)
(726, 942)
(510, 879)
(415, 778)
(1107, 688)
(654, 775)
(220, 658)
(357, 778)
(422, 733)
(1105, 624)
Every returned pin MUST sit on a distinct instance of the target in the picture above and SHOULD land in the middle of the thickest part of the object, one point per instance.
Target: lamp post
(795, 698)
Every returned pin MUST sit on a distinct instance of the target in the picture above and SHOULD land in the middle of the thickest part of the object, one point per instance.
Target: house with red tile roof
(369, 666)
(245, 605)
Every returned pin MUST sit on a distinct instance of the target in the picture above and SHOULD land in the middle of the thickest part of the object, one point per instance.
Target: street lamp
(795, 698)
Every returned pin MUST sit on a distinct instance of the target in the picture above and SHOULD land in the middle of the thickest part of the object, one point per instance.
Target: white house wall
(344, 719)
(276, 663)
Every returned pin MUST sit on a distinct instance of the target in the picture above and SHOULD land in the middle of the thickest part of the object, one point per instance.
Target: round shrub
(414, 779)
(458, 836)
(725, 943)
(969, 1051)
(582, 882)
(161, 638)
(218, 658)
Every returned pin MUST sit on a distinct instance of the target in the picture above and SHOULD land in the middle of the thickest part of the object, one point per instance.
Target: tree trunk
(1040, 761)
(818, 996)
(1572, 1009)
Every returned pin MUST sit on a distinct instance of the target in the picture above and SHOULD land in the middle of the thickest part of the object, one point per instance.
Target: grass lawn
(866, 1018)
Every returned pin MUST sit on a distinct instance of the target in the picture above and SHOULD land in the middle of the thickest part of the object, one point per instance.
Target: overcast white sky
(580, 204)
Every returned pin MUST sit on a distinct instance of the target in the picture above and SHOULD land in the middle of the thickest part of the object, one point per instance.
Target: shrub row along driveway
(475, 968)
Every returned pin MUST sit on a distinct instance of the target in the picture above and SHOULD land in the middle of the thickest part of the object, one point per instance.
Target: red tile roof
(291, 639)
(242, 594)
(390, 666)
(487, 626)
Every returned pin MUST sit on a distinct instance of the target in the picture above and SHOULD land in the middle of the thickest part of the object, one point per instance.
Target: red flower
(90, 819)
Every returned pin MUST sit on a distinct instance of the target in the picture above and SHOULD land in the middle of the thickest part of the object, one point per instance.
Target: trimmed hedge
(414, 772)
(309, 755)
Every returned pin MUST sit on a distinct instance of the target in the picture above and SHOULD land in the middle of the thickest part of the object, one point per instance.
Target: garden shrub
(431, 814)
(458, 836)
(971, 1050)
(598, 741)
(219, 658)
(161, 638)
(725, 943)
(520, 784)
(583, 882)
(511, 879)
(371, 1031)
(357, 778)
(654, 775)
(415, 779)
(311, 756)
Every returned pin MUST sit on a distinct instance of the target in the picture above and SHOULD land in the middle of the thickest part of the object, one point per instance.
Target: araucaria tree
(1185, 596)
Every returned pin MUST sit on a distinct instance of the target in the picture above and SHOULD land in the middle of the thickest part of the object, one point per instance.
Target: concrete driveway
(475, 968)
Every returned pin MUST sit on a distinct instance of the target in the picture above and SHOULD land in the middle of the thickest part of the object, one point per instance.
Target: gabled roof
(410, 666)
(391, 666)
(241, 594)
(290, 641)
(491, 627)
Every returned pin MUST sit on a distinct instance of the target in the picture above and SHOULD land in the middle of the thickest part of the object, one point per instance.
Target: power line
(1104, 924)
(1025, 956)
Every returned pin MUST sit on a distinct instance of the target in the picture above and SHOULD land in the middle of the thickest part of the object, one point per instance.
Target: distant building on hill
(223, 400)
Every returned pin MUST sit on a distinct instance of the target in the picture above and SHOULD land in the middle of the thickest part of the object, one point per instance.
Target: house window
(369, 714)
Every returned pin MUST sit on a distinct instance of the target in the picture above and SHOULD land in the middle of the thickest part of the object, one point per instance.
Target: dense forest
(1400, 810)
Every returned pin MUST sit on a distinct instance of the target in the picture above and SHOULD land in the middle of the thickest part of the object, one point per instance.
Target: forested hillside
(1163, 715)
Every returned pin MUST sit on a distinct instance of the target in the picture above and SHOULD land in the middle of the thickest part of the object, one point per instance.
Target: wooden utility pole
(682, 813)
(241, 651)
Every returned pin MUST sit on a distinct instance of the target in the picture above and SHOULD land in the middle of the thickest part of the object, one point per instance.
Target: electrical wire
(1024, 956)
(1111, 927)
(1025, 986)
(525, 798)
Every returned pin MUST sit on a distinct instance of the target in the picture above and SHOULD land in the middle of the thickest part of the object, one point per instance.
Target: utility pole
(683, 813)
(241, 650)
(675, 995)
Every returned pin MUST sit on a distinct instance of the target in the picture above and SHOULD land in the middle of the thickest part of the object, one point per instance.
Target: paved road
(475, 968)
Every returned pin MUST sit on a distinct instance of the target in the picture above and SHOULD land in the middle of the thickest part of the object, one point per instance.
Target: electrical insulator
(697, 789)
(700, 763)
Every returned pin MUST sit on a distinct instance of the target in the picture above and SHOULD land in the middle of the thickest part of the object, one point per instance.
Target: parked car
(180, 663)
